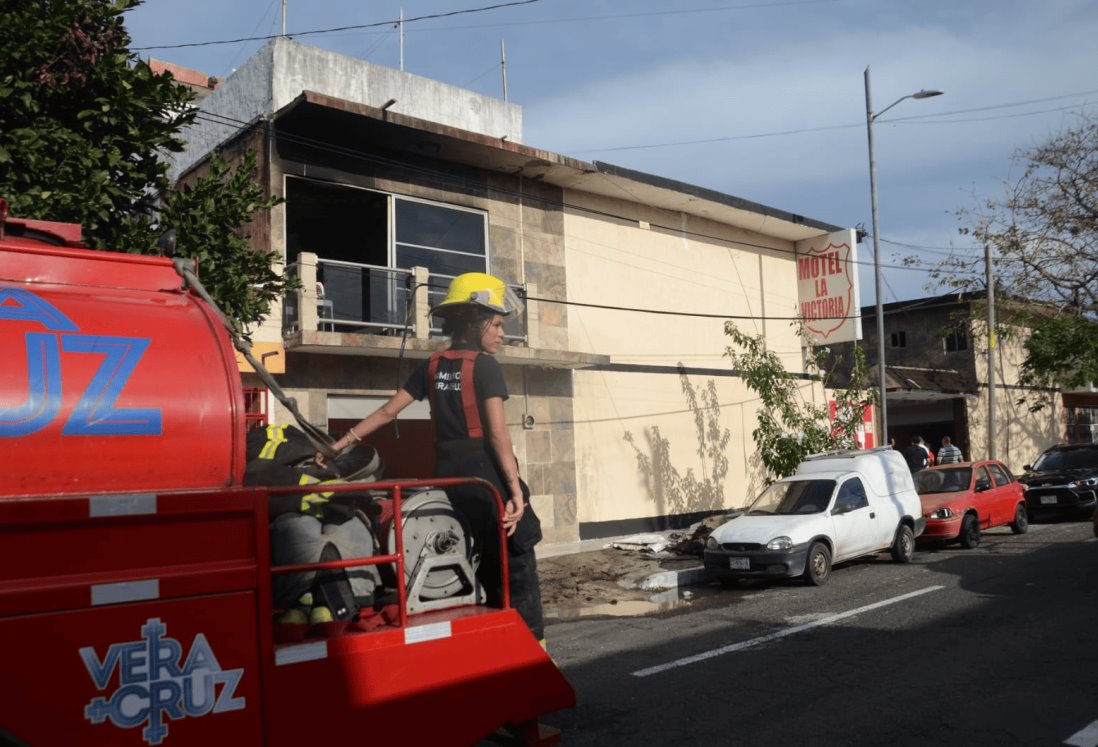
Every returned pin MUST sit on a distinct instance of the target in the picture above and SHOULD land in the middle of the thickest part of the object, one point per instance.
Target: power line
(355, 27)
(466, 183)
(916, 119)
(470, 184)
(619, 16)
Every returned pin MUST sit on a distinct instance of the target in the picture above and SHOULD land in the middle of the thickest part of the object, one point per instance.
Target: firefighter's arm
(499, 438)
(383, 415)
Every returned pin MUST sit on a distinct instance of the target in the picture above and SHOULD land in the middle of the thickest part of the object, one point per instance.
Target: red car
(961, 500)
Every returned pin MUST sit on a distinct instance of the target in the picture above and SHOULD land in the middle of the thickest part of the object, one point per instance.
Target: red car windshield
(952, 480)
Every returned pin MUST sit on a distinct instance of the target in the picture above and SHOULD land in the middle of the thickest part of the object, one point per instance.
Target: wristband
(353, 437)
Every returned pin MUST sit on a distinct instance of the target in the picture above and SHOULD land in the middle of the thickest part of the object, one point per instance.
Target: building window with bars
(898, 339)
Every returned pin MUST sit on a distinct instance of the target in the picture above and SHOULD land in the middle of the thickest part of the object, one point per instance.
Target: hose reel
(439, 557)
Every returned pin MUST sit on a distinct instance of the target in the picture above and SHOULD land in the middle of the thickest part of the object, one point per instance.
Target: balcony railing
(338, 296)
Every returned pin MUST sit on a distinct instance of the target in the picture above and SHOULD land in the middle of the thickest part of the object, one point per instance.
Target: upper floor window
(366, 242)
(956, 339)
(446, 240)
(898, 339)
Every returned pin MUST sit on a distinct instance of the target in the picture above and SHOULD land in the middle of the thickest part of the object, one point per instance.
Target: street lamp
(869, 119)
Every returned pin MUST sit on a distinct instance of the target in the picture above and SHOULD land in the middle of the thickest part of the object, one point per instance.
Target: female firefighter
(466, 389)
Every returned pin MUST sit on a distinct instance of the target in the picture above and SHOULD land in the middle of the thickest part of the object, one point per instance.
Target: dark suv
(1064, 479)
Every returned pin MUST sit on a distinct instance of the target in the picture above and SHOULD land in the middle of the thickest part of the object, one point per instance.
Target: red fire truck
(135, 570)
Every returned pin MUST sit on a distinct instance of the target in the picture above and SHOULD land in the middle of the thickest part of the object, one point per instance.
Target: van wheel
(817, 569)
(970, 532)
(1021, 520)
(903, 547)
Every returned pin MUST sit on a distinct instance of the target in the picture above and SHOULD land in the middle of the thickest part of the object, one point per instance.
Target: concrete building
(937, 376)
(624, 411)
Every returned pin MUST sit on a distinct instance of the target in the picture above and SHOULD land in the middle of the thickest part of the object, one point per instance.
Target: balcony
(348, 308)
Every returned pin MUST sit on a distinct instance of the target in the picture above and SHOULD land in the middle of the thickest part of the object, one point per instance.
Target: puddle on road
(663, 601)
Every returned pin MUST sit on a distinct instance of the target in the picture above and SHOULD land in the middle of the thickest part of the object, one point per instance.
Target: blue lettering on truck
(94, 413)
(156, 682)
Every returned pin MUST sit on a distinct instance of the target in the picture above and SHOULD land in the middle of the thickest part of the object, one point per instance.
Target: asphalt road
(997, 645)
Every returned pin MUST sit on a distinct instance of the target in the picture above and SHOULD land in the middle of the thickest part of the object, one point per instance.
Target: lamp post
(870, 117)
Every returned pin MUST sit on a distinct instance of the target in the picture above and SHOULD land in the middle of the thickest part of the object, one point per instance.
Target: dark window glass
(899, 339)
(439, 263)
(956, 340)
(998, 475)
(437, 227)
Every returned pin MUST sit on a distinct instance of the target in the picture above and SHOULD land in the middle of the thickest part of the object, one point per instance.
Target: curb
(666, 579)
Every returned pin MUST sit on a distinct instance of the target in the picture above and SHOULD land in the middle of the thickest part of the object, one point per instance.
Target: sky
(764, 100)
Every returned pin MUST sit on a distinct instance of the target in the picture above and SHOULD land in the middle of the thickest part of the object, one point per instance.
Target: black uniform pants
(470, 458)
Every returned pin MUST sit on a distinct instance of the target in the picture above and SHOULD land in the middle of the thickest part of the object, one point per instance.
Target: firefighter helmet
(479, 290)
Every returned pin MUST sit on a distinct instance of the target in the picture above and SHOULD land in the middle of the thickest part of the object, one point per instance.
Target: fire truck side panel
(183, 671)
(135, 578)
(131, 387)
(452, 677)
(119, 616)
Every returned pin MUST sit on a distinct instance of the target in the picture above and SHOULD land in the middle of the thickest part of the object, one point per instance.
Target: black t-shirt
(449, 410)
(915, 456)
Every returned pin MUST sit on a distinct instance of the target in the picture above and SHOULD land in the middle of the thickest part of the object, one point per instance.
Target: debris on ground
(619, 571)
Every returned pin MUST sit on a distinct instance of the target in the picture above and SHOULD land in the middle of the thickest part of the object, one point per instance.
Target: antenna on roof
(503, 66)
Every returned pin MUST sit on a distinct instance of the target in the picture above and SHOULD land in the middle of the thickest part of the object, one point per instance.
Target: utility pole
(991, 346)
(400, 26)
(283, 17)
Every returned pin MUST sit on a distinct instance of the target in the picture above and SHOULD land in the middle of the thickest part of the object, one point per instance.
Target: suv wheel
(903, 547)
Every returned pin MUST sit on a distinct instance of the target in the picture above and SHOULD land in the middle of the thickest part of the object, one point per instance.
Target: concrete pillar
(307, 318)
(421, 304)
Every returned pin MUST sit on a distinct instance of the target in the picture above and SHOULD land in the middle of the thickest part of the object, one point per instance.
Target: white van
(839, 505)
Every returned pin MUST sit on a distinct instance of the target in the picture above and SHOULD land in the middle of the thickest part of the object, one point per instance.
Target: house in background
(937, 382)
(625, 413)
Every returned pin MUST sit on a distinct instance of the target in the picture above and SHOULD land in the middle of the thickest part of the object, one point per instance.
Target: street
(996, 645)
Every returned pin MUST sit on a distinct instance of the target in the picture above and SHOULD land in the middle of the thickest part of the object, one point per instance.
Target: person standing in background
(915, 455)
(949, 454)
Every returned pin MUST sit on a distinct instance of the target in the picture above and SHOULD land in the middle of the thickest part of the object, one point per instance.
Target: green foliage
(1043, 236)
(790, 427)
(1060, 352)
(243, 282)
(84, 126)
(83, 122)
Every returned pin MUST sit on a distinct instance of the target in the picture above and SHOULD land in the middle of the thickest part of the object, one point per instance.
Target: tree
(1043, 234)
(790, 427)
(84, 128)
(204, 216)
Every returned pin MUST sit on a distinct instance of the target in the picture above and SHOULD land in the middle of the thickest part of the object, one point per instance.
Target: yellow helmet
(479, 289)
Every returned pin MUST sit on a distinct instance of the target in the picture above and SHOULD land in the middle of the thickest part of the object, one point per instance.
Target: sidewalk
(649, 576)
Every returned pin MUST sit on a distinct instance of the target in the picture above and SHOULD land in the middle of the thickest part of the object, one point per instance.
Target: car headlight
(779, 543)
(712, 544)
(945, 512)
(1088, 482)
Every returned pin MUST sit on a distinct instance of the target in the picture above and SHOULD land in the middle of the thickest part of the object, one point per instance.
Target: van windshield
(795, 497)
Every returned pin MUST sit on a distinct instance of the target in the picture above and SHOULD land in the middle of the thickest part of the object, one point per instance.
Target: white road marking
(779, 634)
(1086, 737)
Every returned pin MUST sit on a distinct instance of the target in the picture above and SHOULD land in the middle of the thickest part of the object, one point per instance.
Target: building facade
(624, 411)
(938, 373)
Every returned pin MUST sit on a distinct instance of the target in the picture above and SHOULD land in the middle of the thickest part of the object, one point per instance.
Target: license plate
(739, 564)
(1048, 499)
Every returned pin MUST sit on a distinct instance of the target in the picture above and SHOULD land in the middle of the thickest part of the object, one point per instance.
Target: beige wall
(610, 445)
(1020, 435)
(658, 443)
